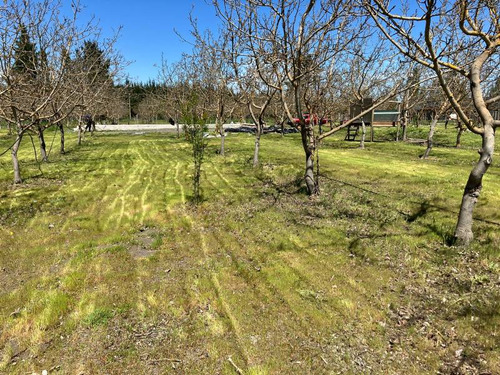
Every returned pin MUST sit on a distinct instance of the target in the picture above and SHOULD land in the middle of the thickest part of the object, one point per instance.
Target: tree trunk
(196, 181)
(43, 148)
(222, 139)
(15, 160)
(463, 231)
(312, 188)
(461, 129)
(219, 123)
(258, 133)
(79, 135)
(61, 130)
(363, 135)
(404, 125)
(317, 166)
(309, 145)
(430, 137)
(178, 130)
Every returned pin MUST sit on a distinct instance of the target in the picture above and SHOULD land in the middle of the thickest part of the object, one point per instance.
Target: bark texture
(61, 130)
(222, 136)
(463, 231)
(430, 138)
(309, 145)
(404, 125)
(79, 135)
(222, 143)
(461, 129)
(43, 147)
(257, 148)
(363, 135)
(15, 160)
(258, 133)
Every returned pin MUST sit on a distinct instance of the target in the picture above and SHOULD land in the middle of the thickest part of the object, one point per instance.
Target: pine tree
(94, 63)
(25, 56)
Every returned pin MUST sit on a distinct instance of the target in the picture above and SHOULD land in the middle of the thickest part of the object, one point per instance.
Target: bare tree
(95, 67)
(370, 72)
(292, 40)
(150, 107)
(460, 37)
(278, 114)
(254, 94)
(173, 91)
(38, 78)
(411, 98)
(33, 41)
(116, 106)
(442, 107)
(180, 83)
(215, 56)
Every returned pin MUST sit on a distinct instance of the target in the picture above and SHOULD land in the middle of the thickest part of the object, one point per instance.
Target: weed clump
(98, 317)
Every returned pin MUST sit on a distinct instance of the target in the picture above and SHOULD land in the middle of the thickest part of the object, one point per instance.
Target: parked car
(307, 117)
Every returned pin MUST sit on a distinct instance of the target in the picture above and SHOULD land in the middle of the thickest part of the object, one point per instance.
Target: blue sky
(148, 29)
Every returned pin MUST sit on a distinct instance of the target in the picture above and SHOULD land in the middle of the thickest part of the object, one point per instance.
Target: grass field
(106, 268)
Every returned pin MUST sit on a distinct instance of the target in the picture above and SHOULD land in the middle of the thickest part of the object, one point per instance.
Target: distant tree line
(54, 69)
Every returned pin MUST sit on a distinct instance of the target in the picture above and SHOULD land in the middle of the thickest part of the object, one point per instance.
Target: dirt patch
(138, 252)
(145, 243)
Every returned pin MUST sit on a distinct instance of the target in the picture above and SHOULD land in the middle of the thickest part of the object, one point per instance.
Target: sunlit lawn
(106, 267)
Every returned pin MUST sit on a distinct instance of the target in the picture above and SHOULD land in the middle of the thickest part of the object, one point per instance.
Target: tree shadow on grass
(421, 212)
(443, 232)
(289, 187)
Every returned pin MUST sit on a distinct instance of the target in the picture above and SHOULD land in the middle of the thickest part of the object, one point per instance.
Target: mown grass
(107, 268)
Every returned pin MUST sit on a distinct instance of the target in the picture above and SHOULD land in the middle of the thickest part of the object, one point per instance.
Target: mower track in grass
(107, 268)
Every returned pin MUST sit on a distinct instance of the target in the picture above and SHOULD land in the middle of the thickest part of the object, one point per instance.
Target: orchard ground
(106, 268)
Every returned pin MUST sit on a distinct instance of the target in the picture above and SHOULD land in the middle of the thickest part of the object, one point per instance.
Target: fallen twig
(167, 360)
(238, 370)
(13, 357)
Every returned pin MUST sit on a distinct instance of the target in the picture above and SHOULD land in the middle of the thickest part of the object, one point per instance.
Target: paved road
(154, 127)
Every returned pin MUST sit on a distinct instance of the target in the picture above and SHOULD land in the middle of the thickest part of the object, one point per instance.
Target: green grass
(98, 317)
(105, 266)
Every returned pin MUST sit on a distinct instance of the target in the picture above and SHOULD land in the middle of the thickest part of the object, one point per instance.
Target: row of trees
(320, 56)
(52, 69)
(268, 59)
